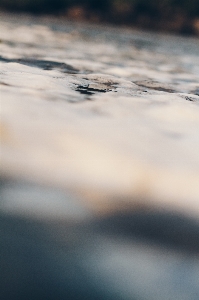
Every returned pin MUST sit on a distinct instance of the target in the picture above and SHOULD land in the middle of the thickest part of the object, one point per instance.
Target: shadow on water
(42, 64)
(71, 259)
(160, 227)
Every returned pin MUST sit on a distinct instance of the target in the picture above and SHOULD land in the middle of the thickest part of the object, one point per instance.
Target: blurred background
(180, 16)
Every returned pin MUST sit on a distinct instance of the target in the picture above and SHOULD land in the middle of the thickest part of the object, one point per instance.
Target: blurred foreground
(99, 162)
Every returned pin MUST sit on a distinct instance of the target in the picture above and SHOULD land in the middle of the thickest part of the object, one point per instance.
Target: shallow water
(99, 162)
(115, 109)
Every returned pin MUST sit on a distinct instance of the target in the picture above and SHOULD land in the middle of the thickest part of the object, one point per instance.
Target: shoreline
(179, 25)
